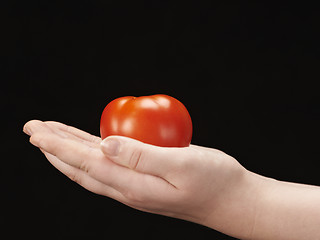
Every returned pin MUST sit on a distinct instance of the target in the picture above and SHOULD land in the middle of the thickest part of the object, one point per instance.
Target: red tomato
(158, 119)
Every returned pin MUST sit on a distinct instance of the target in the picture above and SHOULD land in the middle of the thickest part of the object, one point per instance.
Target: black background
(247, 72)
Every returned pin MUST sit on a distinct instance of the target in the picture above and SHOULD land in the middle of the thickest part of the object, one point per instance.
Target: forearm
(287, 211)
(264, 208)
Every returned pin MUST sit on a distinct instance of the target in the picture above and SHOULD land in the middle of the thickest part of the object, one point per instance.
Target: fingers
(90, 168)
(48, 139)
(147, 158)
(83, 179)
(67, 150)
(61, 130)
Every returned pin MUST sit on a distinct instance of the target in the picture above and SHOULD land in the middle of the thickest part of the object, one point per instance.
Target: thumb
(146, 158)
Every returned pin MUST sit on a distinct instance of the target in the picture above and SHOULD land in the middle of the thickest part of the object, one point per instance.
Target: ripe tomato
(158, 119)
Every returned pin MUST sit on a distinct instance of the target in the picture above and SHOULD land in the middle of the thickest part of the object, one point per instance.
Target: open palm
(187, 183)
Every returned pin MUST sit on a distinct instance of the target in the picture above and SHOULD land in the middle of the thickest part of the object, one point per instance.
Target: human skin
(198, 184)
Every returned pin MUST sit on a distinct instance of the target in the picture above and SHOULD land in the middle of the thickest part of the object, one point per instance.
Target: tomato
(159, 120)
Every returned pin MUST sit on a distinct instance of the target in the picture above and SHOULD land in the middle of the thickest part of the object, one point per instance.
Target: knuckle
(135, 159)
(75, 177)
(84, 165)
(38, 140)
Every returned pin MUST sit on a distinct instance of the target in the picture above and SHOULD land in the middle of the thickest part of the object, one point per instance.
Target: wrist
(239, 206)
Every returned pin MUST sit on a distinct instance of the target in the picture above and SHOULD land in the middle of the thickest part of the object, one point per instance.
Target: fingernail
(111, 147)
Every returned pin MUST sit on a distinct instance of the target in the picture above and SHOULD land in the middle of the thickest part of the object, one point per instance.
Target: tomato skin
(159, 120)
